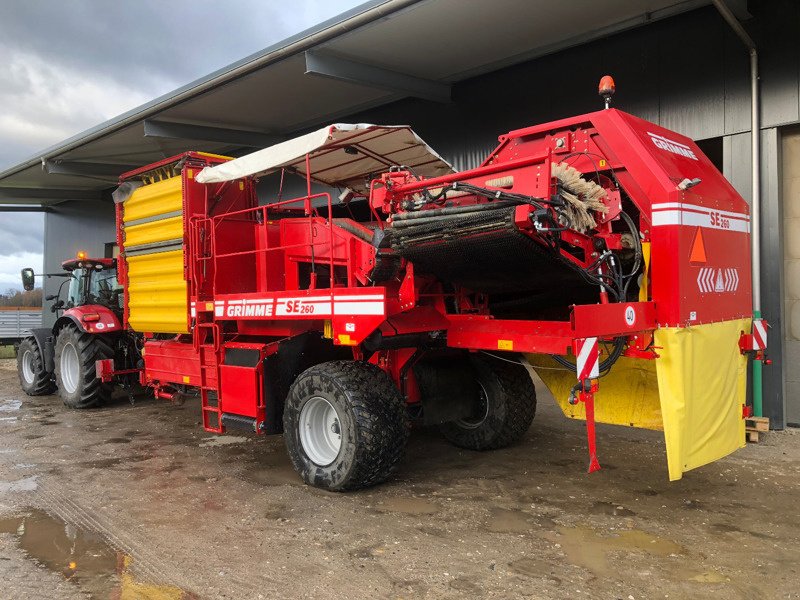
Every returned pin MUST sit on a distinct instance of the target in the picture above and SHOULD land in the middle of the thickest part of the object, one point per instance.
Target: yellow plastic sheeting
(154, 231)
(702, 378)
(628, 395)
(154, 199)
(157, 300)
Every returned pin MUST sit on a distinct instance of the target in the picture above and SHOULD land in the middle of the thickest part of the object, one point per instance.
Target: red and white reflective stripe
(299, 306)
(759, 334)
(680, 213)
(588, 353)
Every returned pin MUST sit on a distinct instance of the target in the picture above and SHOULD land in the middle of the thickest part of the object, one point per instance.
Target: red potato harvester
(604, 252)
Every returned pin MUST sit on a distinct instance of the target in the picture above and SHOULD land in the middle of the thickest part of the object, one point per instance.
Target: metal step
(238, 422)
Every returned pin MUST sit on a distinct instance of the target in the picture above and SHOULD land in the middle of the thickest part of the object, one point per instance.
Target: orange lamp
(607, 88)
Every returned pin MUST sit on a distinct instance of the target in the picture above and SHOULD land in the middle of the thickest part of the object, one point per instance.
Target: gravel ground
(139, 502)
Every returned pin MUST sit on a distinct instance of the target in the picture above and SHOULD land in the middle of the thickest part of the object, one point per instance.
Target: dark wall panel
(70, 227)
(689, 73)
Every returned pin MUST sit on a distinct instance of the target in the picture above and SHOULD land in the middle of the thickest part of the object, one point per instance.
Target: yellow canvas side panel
(154, 199)
(628, 395)
(157, 299)
(154, 231)
(702, 378)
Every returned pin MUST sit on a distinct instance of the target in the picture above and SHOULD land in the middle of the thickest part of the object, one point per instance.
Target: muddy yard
(139, 502)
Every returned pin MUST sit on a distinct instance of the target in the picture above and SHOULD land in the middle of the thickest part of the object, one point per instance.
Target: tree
(22, 299)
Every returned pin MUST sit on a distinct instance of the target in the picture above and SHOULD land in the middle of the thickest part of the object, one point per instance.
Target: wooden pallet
(755, 427)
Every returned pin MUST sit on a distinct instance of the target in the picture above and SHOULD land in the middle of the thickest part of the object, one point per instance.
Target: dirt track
(144, 504)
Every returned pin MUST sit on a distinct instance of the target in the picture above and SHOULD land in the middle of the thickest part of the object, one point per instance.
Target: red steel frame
(248, 289)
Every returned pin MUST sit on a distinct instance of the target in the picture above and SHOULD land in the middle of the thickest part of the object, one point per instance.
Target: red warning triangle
(698, 253)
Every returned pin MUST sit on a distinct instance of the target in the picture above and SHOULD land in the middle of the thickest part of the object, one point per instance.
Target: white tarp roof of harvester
(340, 155)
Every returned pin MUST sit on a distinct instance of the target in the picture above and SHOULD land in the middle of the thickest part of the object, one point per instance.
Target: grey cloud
(151, 42)
(130, 52)
(70, 65)
(20, 232)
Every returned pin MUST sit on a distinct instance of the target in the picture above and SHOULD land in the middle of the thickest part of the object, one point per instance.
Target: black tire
(371, 418)
(33, 378)
(504, 411)
(83, 389)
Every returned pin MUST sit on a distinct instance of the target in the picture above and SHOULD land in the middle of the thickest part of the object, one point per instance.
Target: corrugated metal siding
(70, 227)
(161, 230)
(791, 264)
(157, 300)
(689, 73)
(157, 293)
(155, 199)
(17, 323)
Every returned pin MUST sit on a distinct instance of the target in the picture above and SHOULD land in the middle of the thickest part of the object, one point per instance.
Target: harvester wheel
(33, 378)
(345, 425)
(504, 410)
(76, 375)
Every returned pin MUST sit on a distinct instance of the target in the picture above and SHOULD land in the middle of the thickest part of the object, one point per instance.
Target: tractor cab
(93, 281)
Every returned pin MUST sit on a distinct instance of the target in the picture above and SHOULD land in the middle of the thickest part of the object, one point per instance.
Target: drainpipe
(755, 212)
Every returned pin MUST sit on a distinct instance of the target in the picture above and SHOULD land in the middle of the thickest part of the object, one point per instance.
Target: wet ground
(139, 502)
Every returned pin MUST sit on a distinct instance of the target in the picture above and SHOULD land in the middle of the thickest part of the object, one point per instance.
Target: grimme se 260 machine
(605, 252)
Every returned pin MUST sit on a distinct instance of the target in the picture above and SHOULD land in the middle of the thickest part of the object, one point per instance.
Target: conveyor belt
(483, 250)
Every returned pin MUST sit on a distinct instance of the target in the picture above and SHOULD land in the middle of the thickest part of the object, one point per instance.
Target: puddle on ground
(502, 520)
(27, 484)
(84, 558)
(585, 548)
(708, 577)
(408, 505)
(610, 508)
(10, 405)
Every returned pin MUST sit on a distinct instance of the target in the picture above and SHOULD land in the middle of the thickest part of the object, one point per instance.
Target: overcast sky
(70, 65)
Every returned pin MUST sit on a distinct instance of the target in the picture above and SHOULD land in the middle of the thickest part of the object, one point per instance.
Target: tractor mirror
(27, 279)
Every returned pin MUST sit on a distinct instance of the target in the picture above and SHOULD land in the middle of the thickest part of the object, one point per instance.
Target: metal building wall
(70, 227)
(688, 73)
(790, 162)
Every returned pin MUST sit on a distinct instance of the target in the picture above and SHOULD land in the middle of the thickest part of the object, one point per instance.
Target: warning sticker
(698, 253)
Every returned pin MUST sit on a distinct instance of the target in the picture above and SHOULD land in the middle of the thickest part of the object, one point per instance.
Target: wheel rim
(70, 368)
(482, 412)
(320, 431)
(28, 368)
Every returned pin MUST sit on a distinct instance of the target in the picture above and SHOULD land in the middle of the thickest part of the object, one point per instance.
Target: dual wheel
(346, 425)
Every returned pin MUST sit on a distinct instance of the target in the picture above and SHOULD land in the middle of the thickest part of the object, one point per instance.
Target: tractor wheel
(503, 410)
(345, 425)
(33, 378)
(76, 375)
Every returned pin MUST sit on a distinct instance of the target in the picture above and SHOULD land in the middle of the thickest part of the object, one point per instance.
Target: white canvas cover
(341, 155)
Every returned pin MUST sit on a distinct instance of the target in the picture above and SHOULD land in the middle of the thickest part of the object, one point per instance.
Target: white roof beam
(326, 65)
(206, 133)
(85, 169)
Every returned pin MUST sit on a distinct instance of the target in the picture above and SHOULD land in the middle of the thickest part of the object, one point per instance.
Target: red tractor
(89, 329)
